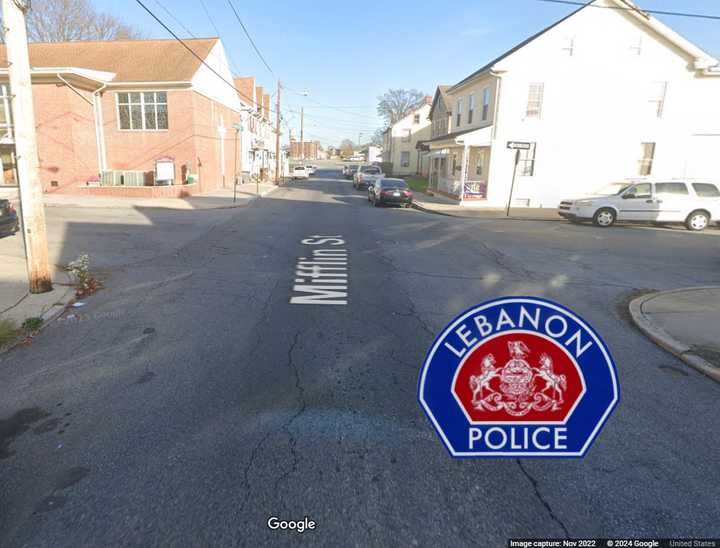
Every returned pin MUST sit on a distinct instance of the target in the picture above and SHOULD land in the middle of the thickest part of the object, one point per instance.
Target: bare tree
(377, 137)
(396, 103)
(71, 20)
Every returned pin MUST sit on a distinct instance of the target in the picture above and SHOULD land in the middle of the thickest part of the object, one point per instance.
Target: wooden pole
(32, 209)
(277, 134)
(302, 135)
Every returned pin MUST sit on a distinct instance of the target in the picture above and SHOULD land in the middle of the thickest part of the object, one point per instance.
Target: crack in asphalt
(542, 500)
(303, 406)
(413, 311)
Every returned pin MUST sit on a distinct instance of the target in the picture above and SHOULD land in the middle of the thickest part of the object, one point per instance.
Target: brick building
(312, 150)
(106, 111)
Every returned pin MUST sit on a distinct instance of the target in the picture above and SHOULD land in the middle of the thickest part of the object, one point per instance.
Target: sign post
(517, 146)
(238, 129)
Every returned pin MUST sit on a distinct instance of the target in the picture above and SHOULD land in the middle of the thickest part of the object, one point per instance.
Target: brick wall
(67, 143)
(65, 125)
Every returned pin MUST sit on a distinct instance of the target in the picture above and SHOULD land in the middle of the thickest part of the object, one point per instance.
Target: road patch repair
(322, 277)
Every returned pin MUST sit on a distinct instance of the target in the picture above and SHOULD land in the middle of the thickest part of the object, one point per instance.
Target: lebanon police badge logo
(518, 376)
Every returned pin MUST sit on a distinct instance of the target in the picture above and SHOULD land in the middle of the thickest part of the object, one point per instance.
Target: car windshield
(394, 185)
(612, 189)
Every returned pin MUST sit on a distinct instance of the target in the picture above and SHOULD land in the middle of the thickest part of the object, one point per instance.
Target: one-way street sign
(518, 145)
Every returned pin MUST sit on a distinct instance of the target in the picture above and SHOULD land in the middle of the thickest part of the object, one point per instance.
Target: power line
(217, 33)
(349, 123)
(237, 15)
(192, 52)
(175, 19)
(339, 109)
(641, 10)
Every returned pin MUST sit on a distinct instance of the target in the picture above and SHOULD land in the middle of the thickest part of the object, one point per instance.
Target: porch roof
(470, 137)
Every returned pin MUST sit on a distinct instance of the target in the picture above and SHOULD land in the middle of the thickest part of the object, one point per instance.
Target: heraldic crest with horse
(517, 387)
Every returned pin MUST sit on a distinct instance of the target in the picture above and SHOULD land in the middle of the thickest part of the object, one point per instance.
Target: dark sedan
(391, 192)
(9, 223)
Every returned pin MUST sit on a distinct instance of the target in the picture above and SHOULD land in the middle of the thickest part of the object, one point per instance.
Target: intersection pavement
(190, 401)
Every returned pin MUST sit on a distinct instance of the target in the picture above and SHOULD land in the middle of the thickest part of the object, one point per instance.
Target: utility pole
(32, 209)
(277, 135)
(302, 134)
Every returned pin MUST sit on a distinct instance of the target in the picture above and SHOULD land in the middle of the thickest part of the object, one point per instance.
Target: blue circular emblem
(518, 376)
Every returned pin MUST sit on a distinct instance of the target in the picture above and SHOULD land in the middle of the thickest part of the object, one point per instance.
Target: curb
(424, 209)
(662, 339)
(249, 197)
(49, 315)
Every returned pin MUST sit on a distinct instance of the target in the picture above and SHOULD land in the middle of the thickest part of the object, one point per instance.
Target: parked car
(311, 169)
(299, 172)
(9, 223)
(364, 175)
(351, 169)
(693, 204)
(391, 192)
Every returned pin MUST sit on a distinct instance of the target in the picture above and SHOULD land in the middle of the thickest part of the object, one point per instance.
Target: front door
(637, 204)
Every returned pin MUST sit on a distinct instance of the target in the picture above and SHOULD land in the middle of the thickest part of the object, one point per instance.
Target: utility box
(165, 171)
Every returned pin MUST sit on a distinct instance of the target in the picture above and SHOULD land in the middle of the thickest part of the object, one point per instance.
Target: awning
(476, 138)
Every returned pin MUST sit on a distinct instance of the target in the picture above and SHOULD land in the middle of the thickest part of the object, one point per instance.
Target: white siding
(596, 108)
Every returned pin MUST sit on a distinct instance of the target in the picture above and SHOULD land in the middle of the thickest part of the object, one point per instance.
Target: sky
(345, 55)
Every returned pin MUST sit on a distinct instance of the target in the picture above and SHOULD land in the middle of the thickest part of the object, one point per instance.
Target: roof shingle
(130, 60)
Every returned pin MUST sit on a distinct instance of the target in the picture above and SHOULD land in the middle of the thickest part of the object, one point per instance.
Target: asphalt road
(189, 401)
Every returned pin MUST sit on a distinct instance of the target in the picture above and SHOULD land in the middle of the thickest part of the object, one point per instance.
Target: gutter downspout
(99, 129)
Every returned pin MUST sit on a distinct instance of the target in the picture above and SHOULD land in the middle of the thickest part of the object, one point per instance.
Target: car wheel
(605, 217)
(697, 221)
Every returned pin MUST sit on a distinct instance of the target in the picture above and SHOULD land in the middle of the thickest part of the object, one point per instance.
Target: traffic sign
(519, 145)
(518, 376)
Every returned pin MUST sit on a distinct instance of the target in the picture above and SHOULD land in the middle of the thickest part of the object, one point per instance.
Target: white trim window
(6, 125)
(405, 158)
(471, 108)
(142, 110)
(526, 161)
(658, 91)
(485, 104)
(458, 114)
(407, 136)
(535, 100)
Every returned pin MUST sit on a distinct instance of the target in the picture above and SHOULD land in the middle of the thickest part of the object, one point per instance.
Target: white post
(30, 186)
(463, 173)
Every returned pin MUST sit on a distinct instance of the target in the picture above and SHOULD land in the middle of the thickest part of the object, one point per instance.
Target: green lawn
(418, 184)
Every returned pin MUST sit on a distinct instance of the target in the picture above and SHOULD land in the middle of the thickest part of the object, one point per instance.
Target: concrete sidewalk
(217, 199)
(686, 322)
(18, 305)
(474, 210)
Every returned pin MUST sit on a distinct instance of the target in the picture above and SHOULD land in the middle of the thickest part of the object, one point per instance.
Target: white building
(400, 141)
(602, 95)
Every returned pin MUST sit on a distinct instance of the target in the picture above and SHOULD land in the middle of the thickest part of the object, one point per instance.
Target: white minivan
(299, 172)
(694, 204)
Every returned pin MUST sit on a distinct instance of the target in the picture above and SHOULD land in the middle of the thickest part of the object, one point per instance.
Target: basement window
(142, 111)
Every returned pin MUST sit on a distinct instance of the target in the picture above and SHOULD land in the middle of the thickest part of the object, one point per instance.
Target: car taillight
(11, 209)
(407, 193)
